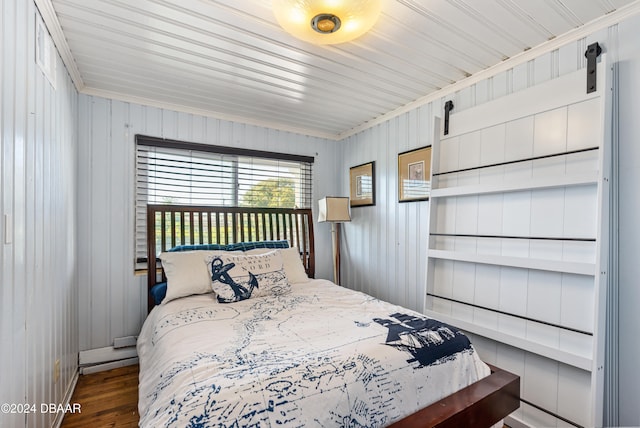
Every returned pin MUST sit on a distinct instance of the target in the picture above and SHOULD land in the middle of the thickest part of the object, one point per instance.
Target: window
(174, 172)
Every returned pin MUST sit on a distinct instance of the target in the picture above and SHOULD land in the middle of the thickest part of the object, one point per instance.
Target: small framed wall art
(414, 175)
(362, 182)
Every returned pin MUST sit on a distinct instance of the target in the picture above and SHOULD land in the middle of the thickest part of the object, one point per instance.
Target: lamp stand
(335, 237)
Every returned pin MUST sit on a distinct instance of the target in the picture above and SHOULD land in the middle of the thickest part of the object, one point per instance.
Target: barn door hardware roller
(592, 53)
(448, 106)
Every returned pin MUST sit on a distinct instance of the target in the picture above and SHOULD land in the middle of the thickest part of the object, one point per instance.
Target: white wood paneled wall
(384, 249)
(112, 298)
(38, 288)
(624, 44)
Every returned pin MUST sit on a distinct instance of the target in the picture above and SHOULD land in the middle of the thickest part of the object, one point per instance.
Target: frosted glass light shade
(354, 18)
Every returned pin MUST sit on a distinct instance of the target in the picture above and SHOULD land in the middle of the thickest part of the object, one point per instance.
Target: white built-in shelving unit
(518, 237)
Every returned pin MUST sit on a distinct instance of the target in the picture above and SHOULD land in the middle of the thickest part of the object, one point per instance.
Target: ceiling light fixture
(325, 22)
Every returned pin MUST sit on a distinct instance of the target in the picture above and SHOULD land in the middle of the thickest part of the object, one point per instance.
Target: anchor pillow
(237, 276)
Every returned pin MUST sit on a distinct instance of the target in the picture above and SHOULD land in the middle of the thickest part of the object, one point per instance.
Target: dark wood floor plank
(107, 399)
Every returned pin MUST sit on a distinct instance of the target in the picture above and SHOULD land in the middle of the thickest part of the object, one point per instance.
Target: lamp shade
(326, 21)
(334, 209)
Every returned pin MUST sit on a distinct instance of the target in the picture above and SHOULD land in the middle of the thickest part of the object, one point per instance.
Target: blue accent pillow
(246, 246)
(158, 292)
(198, 247)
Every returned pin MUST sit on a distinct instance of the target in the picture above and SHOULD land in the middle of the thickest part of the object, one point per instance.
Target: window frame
(149, 141)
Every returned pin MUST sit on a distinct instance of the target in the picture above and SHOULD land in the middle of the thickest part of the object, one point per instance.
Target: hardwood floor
(107, 399)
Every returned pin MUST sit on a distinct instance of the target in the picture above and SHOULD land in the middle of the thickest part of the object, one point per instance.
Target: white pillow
(239, 276)
(293, 266)
(186, 273)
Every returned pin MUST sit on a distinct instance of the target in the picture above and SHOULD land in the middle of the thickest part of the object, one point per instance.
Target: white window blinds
(173, 172)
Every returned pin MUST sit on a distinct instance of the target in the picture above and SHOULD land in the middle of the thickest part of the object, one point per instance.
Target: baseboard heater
(122, 353)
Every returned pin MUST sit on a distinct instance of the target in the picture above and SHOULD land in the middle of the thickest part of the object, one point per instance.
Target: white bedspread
(317, 355)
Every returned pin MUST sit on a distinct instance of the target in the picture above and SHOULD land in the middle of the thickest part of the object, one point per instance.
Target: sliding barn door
(518, 240)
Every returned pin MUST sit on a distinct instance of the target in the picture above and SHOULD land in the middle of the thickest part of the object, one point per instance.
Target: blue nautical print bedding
(318, 355)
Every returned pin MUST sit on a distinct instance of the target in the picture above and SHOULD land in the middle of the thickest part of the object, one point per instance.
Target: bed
(272, 346)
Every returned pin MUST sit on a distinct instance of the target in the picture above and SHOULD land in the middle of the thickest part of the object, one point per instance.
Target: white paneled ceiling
(230, 59)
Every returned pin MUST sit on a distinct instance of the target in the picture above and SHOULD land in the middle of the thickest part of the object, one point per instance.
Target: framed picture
(414, 175)
(362, 182)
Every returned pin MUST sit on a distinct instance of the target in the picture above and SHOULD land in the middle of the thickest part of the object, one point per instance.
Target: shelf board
(517, 186)
(518, 262)
(581, 362)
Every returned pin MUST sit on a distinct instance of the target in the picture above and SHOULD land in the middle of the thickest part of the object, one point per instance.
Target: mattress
(313, 354)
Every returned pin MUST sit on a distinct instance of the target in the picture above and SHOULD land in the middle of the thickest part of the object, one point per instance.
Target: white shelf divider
(519, 262)
(518, 186)
(578, 361)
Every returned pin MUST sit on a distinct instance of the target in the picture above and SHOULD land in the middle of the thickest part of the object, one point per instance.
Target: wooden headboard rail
(172, 225)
